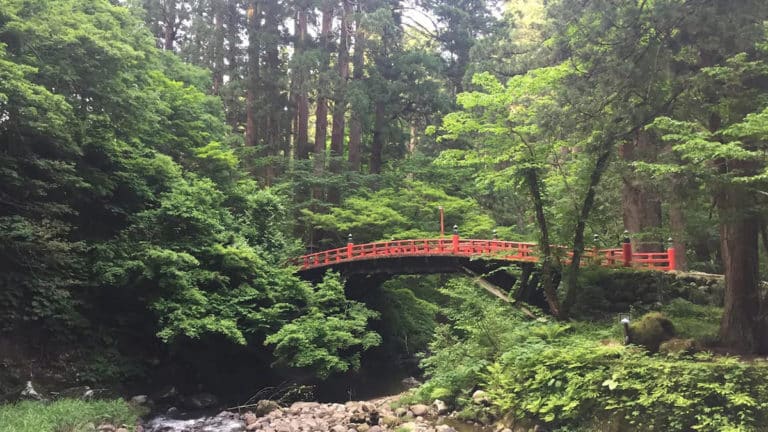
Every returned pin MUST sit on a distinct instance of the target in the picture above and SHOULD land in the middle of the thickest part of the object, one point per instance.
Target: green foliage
(409, 321)
(66, 415)
(329, 335)
(566, 385)
(694, 321)
(409, 210)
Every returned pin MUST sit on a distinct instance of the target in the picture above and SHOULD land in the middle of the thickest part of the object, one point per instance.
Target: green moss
(66, 416)
(651, 330)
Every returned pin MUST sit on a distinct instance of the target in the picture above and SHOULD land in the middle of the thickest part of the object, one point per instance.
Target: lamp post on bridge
(350, 245)
(455, 239)
(671, 258)
(442, 221)
(626, 250)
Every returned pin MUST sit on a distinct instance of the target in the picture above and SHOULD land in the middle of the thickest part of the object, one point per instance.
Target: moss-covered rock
(651, 330)
(679, 346)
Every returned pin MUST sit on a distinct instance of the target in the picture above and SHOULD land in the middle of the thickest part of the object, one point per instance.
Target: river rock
(338, 428)
(401, 412)
(121, 429)
(29, 393)
(200, 401)
(375, 428)
(480, 397)
(265, 406)
(440, 406)
(419, 410)
(410, 382)
(444, 428)
(106, 427)
(142, 400)
(250, 418)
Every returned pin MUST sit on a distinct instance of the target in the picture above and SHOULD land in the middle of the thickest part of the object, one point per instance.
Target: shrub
(566, 385)
(651, 330)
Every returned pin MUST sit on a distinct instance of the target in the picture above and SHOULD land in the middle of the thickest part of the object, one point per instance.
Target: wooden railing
(497, 249)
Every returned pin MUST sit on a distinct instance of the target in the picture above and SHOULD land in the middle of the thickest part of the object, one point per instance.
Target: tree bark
(741, 328)
(641, 203)
(340, 101)
(218, 46)
(572, 293)
(356, 116)
(547, 264)
(377, 146)
(170, 20)
(321, 111)
(677, 225)
(302, 100)
(253, 71)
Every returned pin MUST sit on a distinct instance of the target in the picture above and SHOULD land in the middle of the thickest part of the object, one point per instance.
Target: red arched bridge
(444, 255)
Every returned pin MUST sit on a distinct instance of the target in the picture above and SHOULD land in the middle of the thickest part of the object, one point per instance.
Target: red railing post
(671, 259)
(626, 250)
(455, 239)
(350, 244)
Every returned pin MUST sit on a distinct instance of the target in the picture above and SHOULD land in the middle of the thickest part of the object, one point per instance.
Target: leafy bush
(566, 385)
(65, 415)
(651, 330)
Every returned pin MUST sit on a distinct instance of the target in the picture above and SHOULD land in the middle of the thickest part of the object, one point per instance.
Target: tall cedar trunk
(547, 263)
(302, 100)
(641, 203)
(321, 111)
(356, 116)
(678, 227)
(340, 101)
(170, 19)
(272, 98)
(233, 31)
(254, 52)
(572, 293)
(741, 327)
(218, 46)
(377, 146)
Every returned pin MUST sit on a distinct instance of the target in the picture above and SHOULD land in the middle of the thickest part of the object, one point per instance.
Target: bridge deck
(493, 249)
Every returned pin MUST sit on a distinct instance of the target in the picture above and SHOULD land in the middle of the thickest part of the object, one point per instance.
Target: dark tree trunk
(254, 52)
(356, 116)
(321, 111)
(641, 203)
(571, 295)
(377, 146)
(273, 100)
(547, 263)
(678, 227)
(218, 46)
(742, 328)
(340, 101)
(302, 100)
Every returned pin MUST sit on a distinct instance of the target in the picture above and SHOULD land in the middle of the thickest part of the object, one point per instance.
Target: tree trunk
(340, 101)
(321, 111)
(254, 52)
(302, 100)
(218, 46)
(572, 293)
(742, 327)
(641, 203)
(547, 264)
(678, 227)
(356, 116)
(170, 19)
(377, 146)
(271, 93)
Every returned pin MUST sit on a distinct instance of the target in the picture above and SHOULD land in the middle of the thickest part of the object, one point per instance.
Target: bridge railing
(498, 249)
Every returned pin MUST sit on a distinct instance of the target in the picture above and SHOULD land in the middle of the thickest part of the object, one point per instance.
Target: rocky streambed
(368, 416)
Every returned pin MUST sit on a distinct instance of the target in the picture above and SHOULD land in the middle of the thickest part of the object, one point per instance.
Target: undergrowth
(67, 415)
(580, 377)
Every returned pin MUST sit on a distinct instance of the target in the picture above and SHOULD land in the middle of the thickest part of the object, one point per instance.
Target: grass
(66, 415)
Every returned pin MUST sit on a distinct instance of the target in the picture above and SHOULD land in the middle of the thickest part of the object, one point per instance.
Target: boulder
(265, 406)
(250, 418)
(440, 406)
(140, 400)
(678, 346)
(410, 382)
(480, 397)
(419, 410)
(200, 401)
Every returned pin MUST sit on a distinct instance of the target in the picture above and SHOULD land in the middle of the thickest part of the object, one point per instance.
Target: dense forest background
(161, 160)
